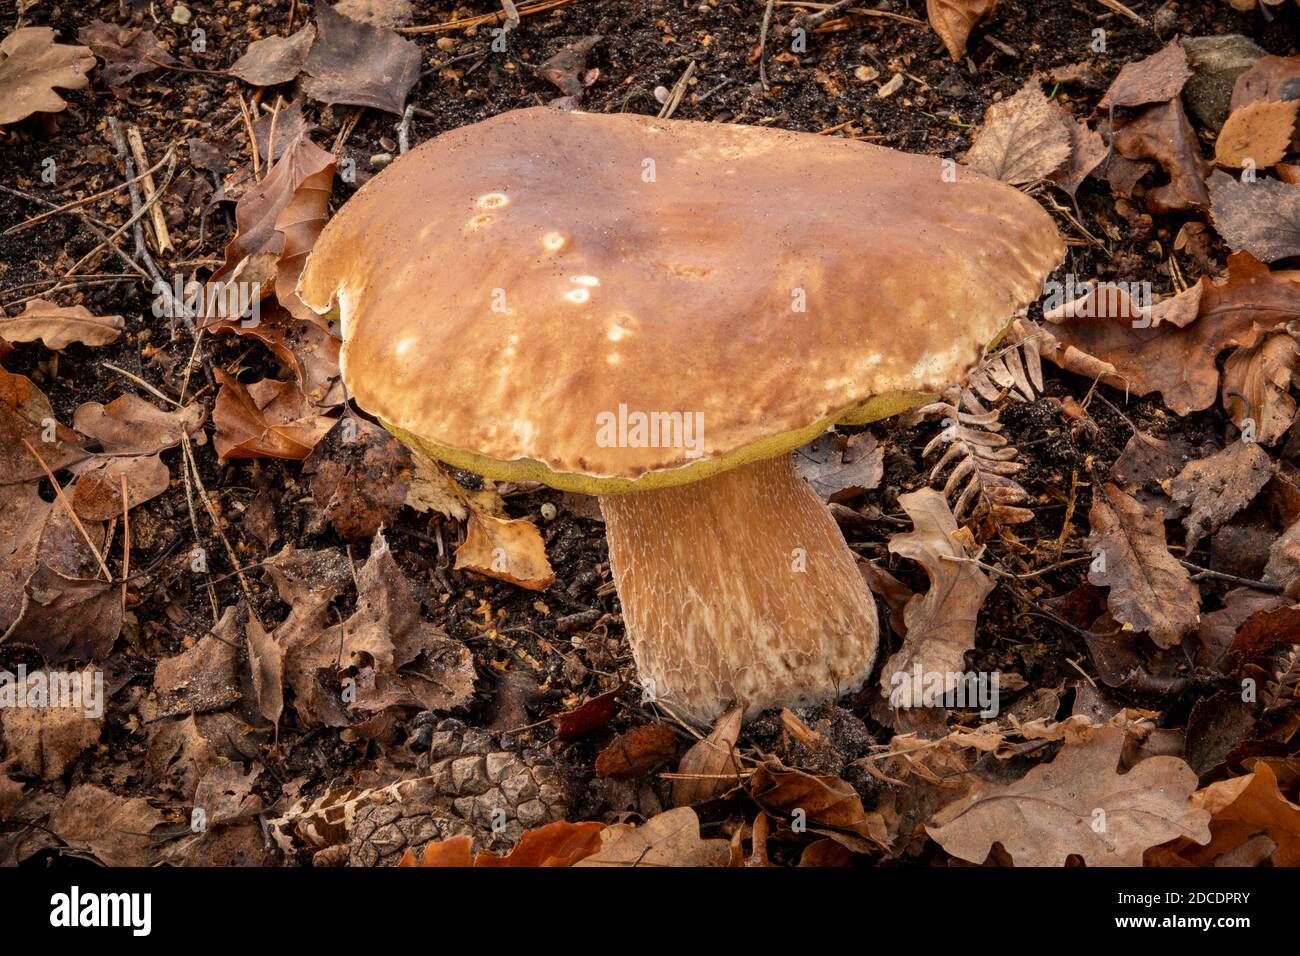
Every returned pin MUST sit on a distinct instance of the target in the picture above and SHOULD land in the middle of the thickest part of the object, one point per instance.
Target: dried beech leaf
(1022, 139)
(115, 830)
(1163, 133)
(32, 65)
(637, 751)
(59, 326)
(841, 468)
(45, 739)
(1149, 590)
(129, 425)
(826, 800)
(940, 624)
(954, 20)
(1077, 804)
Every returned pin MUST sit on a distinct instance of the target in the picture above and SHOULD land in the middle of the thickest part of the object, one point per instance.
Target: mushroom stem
(740, 589)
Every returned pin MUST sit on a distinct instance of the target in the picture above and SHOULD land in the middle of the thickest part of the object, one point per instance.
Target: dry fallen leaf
(127, 52)
(670, 839)
(116, 830)
(510, 549)
(1087, 150)
(824, 800)
(31, 66)
(567, 69)
(129, 425)
(1257, 382)
(709, 767)
(1217, 487)
(1179, 363)
(1155, 79)
(360, 476)
(44, 735)
(637, 751)
(954, 20)
(1262, 217)
(59, 326)
(385, 13)
(1022, 139)
(267, 419)
(360, 65)
(1149, 590)
(1242, 809)
(1257, 134)
(67, 618)
(940, 624)
(588, 716)
(1162, 133)
(1078, 804)
(840, 467)
(273, 60)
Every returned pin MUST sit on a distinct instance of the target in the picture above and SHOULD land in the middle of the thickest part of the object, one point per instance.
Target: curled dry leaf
(59, 326)
(1087, 150)
(1257, 134)
(709, 767)
(954, 20)
(1257, 383)
(1149, 590)
(670, 839)
(940, 624)
(509, 549)
(1217, 487)
(360, 65)
(267, 419)
(273, 60)
(1163, 133)
(1156, 79)
(1022, 139)
(1179, 363)
(588, 716)
(1262, 218)
(127, 52)
(1079, 804)
(826, 800)
(32, 66)
(637, 751)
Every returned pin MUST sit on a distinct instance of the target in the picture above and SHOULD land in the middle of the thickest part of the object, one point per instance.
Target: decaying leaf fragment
(1149, 590)
(267, 419)
(510, 549)
(670, 839)
(1217, 487)
(1262, 218)
(710, 766)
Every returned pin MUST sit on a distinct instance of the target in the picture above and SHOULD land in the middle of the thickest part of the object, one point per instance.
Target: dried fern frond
(980, 484)
(1283, 688)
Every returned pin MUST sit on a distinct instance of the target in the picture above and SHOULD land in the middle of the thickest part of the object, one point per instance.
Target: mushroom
(658, 312)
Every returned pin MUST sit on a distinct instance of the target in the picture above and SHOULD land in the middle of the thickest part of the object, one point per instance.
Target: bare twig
(63, 500)
(404, 130)
(77, 203)
(161, 235)
(762, 44)
(679, 91)
(497, 17)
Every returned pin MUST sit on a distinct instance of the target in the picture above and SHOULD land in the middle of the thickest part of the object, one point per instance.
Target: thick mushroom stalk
(740, 589)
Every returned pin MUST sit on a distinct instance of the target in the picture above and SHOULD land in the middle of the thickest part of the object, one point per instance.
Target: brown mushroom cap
(506, 283)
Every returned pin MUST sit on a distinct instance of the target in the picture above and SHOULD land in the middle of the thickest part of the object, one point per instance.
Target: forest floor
(189, 720)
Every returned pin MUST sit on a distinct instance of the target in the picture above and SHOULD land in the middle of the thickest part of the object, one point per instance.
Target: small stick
(762, 44)
(346, 130)
(198, 538)
(126, 541)
(404, 130)
(486, 18)
(1120, 8)
(163, 239)
(679, 91)
(252, 138)
(142, 383)
(68, 505)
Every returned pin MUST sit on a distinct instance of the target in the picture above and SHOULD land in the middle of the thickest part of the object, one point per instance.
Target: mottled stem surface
(740, 588)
